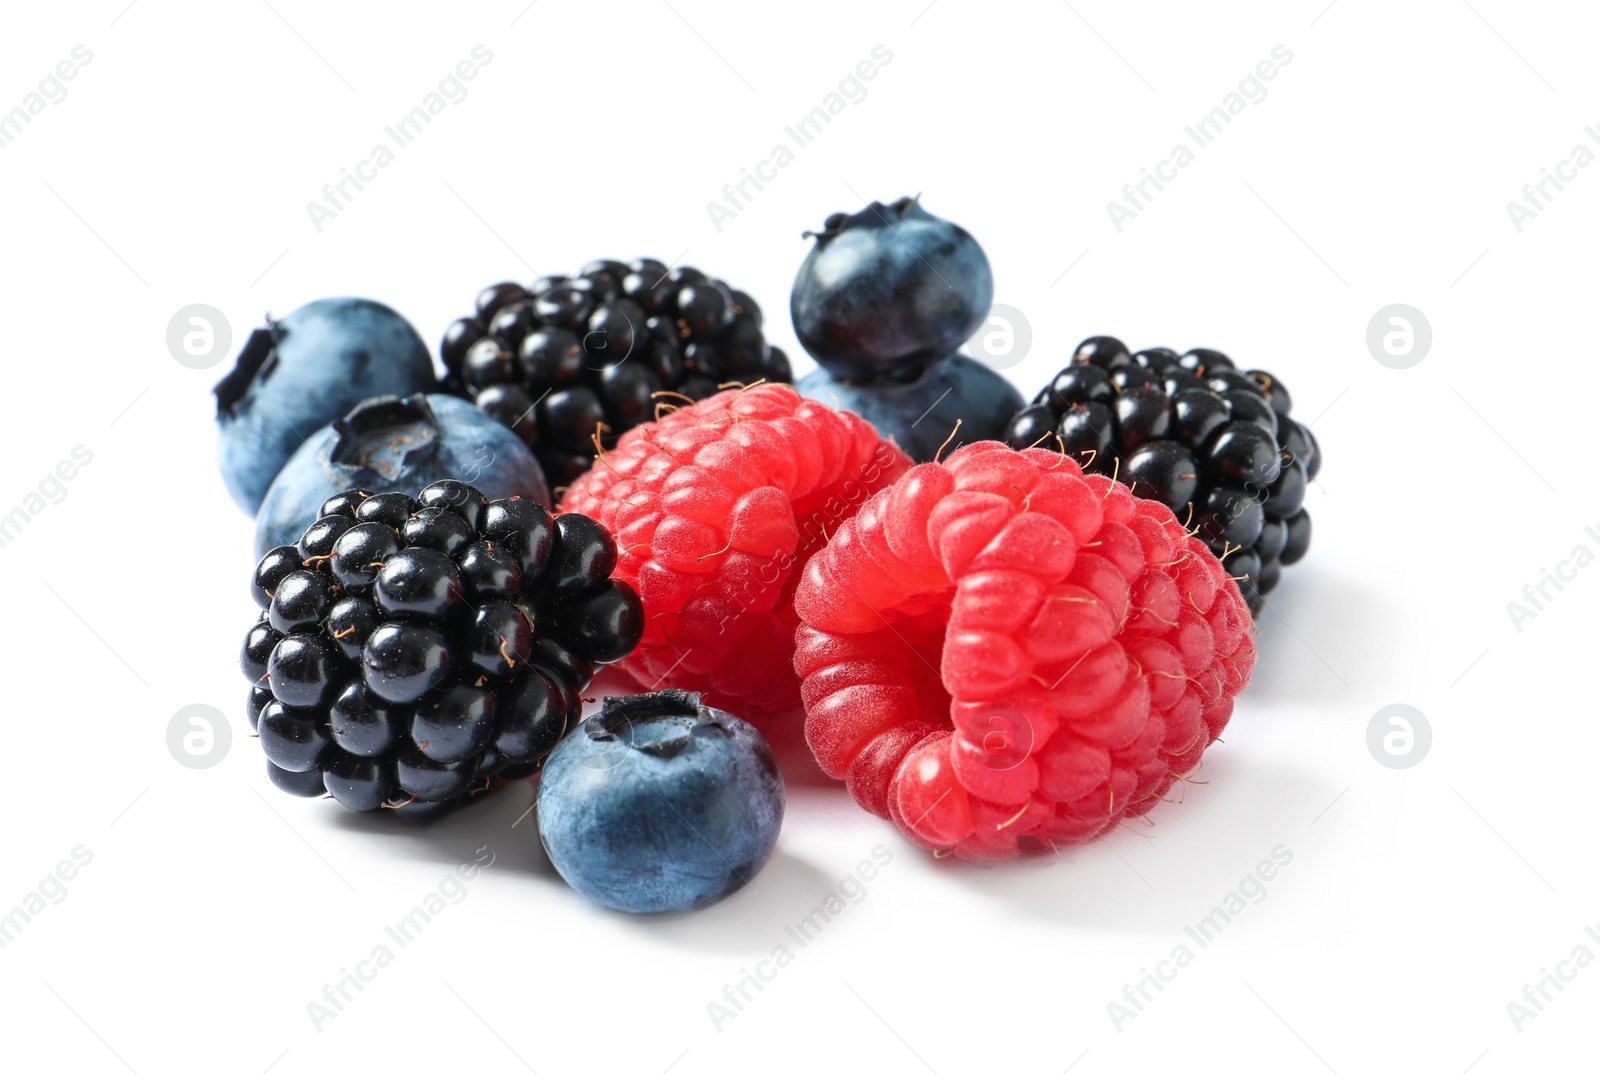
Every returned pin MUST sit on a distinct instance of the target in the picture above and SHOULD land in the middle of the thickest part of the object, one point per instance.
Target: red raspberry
(715, 508)
(1002, 655)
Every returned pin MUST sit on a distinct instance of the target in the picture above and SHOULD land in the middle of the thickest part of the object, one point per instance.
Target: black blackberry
(1215, 444)
(571, 357)
(411, 650)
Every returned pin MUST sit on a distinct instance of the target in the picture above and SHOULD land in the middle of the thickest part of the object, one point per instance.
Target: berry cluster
(1002, 655)
(1014, 649)
(570, 363)
(1216, 445)
(412, 649)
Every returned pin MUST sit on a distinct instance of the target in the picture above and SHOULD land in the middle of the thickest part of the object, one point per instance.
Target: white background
(1418, 904)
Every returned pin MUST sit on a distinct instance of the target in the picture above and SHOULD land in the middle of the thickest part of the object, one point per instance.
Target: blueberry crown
(875, 215)
(619, 716)
(259, 356)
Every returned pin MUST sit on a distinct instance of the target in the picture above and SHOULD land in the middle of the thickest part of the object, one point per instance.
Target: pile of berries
(571, 363)
(1215, 444)
(409, 651)
(1002, 653)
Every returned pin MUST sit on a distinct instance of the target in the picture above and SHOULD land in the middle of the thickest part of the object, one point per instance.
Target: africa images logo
(1202, 132)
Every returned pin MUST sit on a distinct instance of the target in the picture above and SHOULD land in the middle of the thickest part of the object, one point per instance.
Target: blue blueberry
(918, 415)
(659, 803)
(296, 375)
(888, 289)
(389, 444)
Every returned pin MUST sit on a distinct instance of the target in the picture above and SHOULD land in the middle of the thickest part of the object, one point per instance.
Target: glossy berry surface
(716, 508)
(410, 650)
(1003, 655)
(572, 360)
(297, 374)
(918, 414)
(1216, 444)
(889, 289)
(659, 803)
(388, 445)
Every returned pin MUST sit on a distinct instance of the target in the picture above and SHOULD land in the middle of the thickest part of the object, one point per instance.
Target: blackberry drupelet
(570, 358)
(1214, 443)
(410, 650)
